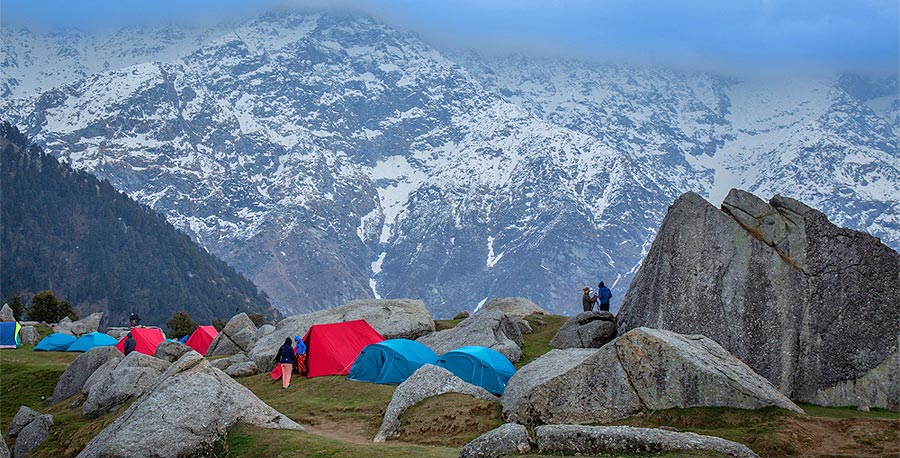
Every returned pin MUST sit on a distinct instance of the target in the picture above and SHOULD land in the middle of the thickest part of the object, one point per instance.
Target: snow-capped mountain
(333, 157)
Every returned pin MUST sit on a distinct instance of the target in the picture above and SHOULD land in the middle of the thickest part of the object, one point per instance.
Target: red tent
(201, 338)
(147, 340)
(333, 347)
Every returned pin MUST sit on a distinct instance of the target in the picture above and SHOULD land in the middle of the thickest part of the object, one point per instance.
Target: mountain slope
(64, 230)
(332, 157)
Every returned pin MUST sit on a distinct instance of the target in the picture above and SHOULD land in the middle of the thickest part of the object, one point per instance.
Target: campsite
(341, 414)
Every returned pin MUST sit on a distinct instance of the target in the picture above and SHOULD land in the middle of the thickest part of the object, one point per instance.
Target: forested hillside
(66, 231)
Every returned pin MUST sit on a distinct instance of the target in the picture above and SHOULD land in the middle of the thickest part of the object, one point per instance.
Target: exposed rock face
(23, 417)
(29, 335)
(518, 307)
(263, 330)
(81, 327)
(643, 370)
(6, 313)
(238, 336)
(166, 421)
(101, 373)
(32, 435)
(242, 369)
(586, 330)
(429, 380)
(508, 439)
(591, 440)
(492, 329)
(392, 318)
(133, 376)
(79, 370)
(806, 304)
(171, 351)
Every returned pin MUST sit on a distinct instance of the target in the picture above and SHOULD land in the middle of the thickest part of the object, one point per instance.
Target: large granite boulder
(32, 435)
(604, 440)
(392, 318)
(132, 377)
(170, 351)
(184, 414)
(238, 336)
(643, 370)
(586, 330)
(81, 327)
(102, 373)
(429, 380)
(518, 307)
(79, 370)
(23, 417)
(6, 313)
(508, 439)
(808, 305)
(492, 329)
(29, 335)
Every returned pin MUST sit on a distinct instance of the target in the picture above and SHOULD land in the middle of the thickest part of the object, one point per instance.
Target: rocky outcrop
(238, 336)
(166, 421)
(509, 439)
(586, 330)
(429, 380)
(79, 370)
(23, 417)
(643, 370)
(29, 335)
(518, 307)
(132, 377)
(806, 304)
(597, 440)
(32, 435)
(490, 329)
(81, 327)
(6, 313)
(171, 351)
(392, 318)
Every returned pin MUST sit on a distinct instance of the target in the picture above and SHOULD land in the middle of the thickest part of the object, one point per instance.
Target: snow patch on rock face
(395, 180)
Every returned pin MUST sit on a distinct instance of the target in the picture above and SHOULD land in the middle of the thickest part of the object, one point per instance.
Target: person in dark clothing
(285, 357)
(587, 301)
(130, 344)
(603, 295)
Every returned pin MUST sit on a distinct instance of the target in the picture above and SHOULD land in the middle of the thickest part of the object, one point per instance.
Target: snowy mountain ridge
(332, 157)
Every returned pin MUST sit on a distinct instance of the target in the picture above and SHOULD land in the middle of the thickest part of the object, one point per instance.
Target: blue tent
(55, 342)
(183, 339)
(9, 334)
(390, 361)
(91, 340)
(479, 366)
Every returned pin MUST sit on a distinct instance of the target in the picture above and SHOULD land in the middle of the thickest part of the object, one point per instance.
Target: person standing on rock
(130, 344)
(603, 295)
(587, 301)
(285, 357)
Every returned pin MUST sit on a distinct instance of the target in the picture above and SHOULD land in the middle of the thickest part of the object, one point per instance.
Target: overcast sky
(844, 34)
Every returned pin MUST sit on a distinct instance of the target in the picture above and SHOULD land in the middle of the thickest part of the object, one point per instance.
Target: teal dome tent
(479, 366)
(55, 342)
(390, 361)
(92, 340)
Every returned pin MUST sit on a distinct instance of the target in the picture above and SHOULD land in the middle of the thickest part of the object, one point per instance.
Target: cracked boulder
(643, 370)
(586, 330)
(184, 414)
(492, 329)
(808, 305)
(238, 336)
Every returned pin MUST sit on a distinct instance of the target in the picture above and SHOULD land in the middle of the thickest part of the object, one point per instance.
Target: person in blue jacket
(603, 296)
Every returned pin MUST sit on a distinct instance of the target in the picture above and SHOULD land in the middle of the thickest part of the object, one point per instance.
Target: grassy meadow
(342, 416)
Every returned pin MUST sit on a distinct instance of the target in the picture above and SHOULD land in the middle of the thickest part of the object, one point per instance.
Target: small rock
(29, 335)
(23, 417)
(863, 408)
(586, 330)
(508, 439)
(6, 313)
(32, 435)
(461, 315)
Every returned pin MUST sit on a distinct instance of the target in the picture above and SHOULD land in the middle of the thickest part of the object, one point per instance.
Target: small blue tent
(390, 361)
(9, 334)
(55, 342)
(91, 340)
(479, 366)
(183, 339)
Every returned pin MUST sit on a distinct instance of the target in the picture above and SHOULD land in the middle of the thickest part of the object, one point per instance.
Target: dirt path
(847, 437)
